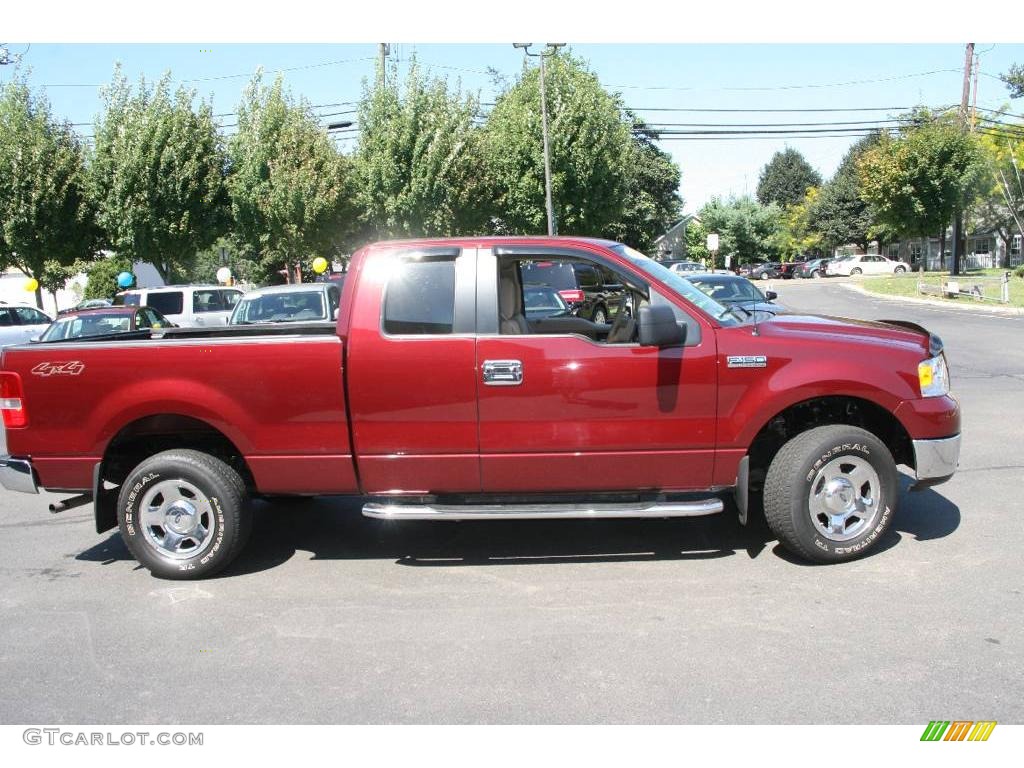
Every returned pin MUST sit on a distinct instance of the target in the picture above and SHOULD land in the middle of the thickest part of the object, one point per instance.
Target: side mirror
(771, 295)
(658, 327)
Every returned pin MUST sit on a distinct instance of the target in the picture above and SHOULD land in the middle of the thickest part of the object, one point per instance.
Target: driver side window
(567, 296)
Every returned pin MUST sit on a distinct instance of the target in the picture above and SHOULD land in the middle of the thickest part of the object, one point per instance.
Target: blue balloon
(125, 279)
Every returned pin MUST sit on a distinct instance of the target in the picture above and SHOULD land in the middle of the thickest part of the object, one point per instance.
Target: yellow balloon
(319, 265)
(31, 284)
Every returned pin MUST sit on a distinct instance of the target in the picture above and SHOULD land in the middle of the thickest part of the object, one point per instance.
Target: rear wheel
(900, 270)
(856, 271)
(764, 276)
(183, 514)
(816, 274)
(830, 493)
(600, 316)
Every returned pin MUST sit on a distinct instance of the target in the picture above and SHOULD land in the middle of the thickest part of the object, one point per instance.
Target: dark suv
(592, 291)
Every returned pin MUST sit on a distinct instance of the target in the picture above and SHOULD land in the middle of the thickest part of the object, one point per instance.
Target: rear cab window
(164, 302)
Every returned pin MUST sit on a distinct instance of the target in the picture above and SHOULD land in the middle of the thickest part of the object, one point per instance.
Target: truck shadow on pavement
(334, 529)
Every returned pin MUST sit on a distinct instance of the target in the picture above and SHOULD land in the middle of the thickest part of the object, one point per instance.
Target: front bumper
(935, 460)
(17, 475)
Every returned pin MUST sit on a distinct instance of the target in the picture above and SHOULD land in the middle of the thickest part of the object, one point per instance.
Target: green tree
(46, 219)
(590, 147)
(1000, 203)
(916, 180)
(419, 158)
(652, 191)
(158, 174)
(1014, 79)
(290, 189)
(697, 243)
(840, 215)
(785, 179)
(796, 235)
(101, 276)
(747, 230)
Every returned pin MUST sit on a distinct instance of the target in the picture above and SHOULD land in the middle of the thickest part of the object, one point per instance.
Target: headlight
(933, 376)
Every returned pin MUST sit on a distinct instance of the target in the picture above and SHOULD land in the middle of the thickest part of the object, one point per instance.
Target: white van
(186, 305)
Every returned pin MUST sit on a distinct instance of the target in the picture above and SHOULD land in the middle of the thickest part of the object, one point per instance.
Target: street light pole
(552, 49)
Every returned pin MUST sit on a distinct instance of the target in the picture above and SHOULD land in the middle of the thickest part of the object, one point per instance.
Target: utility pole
(974, 95)
(958, 219)
(383, 51)
(552, 50)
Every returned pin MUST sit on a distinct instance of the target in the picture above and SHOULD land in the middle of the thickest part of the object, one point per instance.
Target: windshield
(97, 324)
(284, 307)
(728, 290)
(677, 283)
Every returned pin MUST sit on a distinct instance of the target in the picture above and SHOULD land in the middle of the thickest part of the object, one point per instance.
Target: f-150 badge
(70, 368)
(747, 361)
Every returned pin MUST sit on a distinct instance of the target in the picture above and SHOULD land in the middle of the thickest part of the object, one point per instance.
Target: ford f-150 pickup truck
(434, 397)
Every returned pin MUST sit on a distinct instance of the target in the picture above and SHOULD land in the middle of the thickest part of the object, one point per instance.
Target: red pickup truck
(434, 397)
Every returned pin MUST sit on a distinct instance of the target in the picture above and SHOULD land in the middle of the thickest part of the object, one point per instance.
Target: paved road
(332, 618)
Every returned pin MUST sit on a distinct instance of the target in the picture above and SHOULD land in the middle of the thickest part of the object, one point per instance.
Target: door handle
(503, 373)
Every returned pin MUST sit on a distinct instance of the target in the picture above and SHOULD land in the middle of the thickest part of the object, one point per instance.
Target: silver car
(20, 323)
(296, 303)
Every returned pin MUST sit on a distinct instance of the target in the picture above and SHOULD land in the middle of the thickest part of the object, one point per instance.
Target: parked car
(866, 264)
(686, 267)
(815, 268)
(733, 290)
(185, 305)
(542, 301)
(590, 290)
(104, 321)
(761, 270)
(20, 323)
(295, 303)
(788, 269)
(433, 399)
(87, 304)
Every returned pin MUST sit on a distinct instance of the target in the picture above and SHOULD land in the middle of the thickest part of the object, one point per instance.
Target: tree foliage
(785, 179)
(101, 277)
(797, 235)
(840, 215)
(158, 174)
(46, 219)
(590, 148)
(746, 229)
(1000, 205)
(419, 159)
(915, 180)
(1014, 79)
(290, 189)
(652, 202)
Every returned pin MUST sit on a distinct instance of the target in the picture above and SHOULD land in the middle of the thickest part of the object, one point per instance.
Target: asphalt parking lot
(332, 618)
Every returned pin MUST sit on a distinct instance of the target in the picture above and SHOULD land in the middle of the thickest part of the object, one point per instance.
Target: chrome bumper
(936, 460)
(17, 475)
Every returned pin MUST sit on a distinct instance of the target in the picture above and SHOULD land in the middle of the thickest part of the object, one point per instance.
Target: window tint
(420, 297)
(230, 298)
(557, 274)
(128, 300)
(588, 277)
(206, 301)
(142, 319)
(154, 319)
(165, 302)
(333, 300)
(29, 316)
(6, 318)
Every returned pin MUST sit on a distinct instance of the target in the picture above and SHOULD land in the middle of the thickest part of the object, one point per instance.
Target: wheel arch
(146, 436)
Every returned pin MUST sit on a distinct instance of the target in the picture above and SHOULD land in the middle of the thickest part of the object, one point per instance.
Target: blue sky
(677, 76)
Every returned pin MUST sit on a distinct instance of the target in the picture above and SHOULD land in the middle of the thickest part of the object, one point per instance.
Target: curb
(1008, 311)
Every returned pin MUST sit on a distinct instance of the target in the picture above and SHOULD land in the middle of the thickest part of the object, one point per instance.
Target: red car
(437, 397)
(103, 321)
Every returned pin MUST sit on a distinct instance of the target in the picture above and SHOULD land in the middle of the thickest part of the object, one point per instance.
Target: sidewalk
(967, 305)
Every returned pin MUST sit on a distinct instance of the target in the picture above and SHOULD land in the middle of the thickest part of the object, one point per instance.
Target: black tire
(220, 511)
(856, 271)
(816, 274)
(600, 316)
(797, 470)
(899, 270)
(765, 276)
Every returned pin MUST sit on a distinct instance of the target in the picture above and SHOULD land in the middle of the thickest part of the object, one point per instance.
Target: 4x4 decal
(70, 368)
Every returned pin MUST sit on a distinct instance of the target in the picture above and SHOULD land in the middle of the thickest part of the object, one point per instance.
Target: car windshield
(728, 290)
(677, 283)
(98, 324)
(282, 307)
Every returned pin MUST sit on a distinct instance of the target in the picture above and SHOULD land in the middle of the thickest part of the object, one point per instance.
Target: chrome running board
(397, 511)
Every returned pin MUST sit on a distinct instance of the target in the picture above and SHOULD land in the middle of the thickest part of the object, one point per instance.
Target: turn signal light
(12, 404)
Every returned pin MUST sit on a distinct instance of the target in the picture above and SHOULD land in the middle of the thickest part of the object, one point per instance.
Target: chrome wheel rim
(177, 519)
(844, 498)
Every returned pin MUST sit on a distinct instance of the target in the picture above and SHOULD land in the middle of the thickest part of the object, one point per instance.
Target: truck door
(565, 407)
(411, 356)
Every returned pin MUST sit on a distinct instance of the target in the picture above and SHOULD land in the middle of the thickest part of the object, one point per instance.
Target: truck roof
(491, 240)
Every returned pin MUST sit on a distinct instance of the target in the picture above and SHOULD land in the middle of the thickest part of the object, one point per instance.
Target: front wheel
(764, 276)
(856, 271)
(816, 274)
(183, 514)
(600, 316)
(900, 270)
(830, 493)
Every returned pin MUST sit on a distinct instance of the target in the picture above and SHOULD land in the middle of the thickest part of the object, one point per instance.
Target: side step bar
(396, 511)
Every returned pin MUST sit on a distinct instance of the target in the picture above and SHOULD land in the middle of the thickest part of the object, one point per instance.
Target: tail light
(572, 296)
(12, 403)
